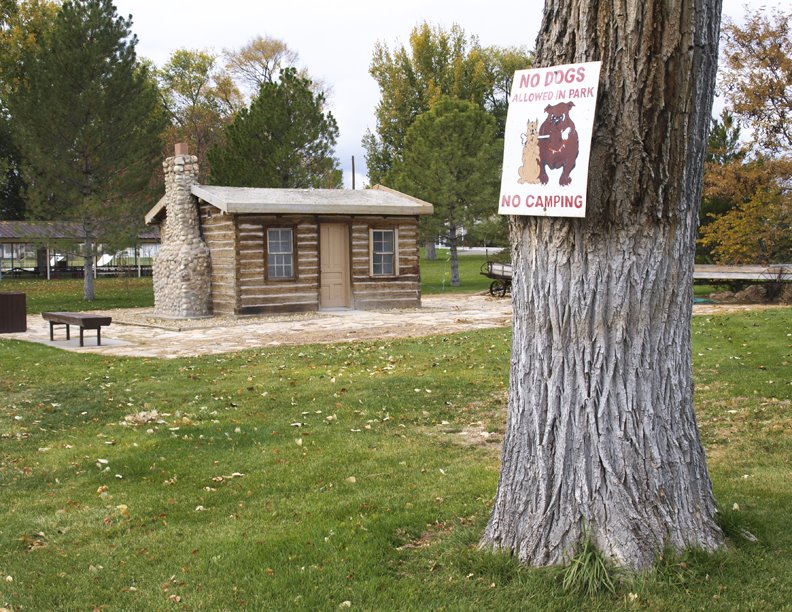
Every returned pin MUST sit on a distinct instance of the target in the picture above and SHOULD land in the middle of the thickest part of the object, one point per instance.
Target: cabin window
(384, 256)
(280, 252)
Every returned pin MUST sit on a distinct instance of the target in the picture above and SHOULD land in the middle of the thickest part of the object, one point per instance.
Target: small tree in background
(411, 78)
(451, 158)
(756, 77)
(756, 225)
(200, 99)
(746, 215)
(87, 119)
(725, 152)
(436, 63)
(285, 139)
(259, 61)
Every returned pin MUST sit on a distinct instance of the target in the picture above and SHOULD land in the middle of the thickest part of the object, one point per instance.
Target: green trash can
(13, 313)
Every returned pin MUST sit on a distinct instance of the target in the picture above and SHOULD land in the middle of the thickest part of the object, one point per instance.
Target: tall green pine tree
(285, 139)
(87, 118)
(451, 158)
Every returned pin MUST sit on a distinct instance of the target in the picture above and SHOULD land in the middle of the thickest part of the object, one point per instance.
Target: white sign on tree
(548, 141)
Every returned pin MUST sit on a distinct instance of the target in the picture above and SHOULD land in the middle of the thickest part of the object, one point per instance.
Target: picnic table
(81, 319)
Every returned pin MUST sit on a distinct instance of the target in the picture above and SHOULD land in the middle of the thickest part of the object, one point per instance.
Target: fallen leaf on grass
(143, 417)
(34, 541)
(223, 478)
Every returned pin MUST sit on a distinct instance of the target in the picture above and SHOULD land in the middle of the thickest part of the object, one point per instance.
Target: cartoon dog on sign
(558, 143)
(529, 171)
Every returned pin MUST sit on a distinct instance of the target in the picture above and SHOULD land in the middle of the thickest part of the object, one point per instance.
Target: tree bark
(453, 254)
(89, 295)
(601, 438)
(430, 253)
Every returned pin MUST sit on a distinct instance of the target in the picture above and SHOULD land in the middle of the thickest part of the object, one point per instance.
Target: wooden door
(334, 265)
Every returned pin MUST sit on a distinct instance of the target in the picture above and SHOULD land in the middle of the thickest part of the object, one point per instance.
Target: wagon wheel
(498, 288)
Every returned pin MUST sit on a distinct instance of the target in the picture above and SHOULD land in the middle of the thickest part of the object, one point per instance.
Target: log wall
(259, 295)
(401, 291)
(239, 276)
(219, 234)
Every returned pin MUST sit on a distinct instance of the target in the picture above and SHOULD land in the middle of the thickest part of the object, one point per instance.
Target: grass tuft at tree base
(588, 572)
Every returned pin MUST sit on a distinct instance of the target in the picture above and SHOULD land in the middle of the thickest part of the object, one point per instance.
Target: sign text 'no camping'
(548, 141)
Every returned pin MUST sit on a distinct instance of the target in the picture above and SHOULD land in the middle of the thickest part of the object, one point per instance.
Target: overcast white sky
(335, 40)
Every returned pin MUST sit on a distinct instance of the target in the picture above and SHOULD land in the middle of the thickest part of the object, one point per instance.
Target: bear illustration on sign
(529, 171)
(558, 143)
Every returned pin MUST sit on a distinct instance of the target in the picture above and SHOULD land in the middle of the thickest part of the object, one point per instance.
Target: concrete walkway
(140, 333)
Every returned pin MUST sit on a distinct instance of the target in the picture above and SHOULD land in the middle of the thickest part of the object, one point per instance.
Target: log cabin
(240, 251)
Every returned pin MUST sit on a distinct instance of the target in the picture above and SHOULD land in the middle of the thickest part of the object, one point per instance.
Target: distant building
(51, 249)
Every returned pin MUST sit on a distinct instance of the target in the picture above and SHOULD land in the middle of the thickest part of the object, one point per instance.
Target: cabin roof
(378, 200)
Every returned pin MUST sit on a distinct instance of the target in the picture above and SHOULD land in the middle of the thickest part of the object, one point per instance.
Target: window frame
(267, 268)
(395, 231)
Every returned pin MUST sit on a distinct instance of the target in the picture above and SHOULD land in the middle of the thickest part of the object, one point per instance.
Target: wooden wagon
(501, 273)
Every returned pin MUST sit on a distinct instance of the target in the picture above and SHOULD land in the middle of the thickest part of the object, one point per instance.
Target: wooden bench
(83, 320)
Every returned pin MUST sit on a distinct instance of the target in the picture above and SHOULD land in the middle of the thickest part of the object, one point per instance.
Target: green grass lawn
(305, 477)
(436, 275)
(67, 294)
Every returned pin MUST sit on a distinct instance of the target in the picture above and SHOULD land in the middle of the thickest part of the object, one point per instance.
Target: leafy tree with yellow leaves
(757, 227)
(746, 214)
(756, 77)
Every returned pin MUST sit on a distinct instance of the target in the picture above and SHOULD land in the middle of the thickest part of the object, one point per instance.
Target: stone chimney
(182, 269)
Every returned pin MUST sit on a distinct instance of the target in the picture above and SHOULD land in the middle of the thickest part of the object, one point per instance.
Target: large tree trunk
(601, 439)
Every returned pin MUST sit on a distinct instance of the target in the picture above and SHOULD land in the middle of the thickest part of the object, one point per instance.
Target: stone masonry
(182, 269)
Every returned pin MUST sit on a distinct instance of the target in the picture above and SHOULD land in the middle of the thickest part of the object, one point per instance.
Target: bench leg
(52, 330)
(99, 336)
(81, 336)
